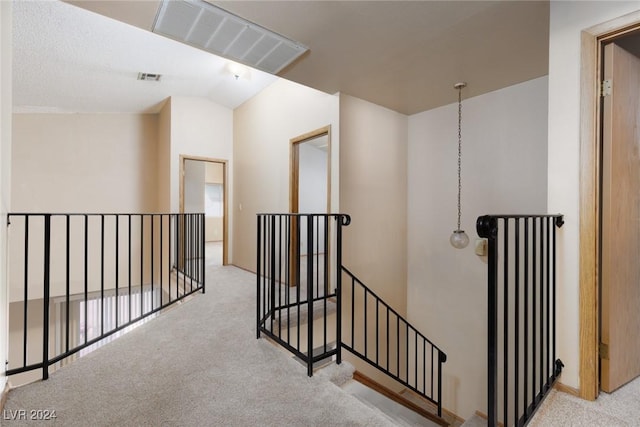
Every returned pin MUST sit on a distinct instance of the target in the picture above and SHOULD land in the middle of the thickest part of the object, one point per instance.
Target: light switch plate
(481, 247)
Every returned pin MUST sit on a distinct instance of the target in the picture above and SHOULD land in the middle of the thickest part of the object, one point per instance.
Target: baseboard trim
(486, 417)
(363, 379)
(567, 389)
(5, 393)
(452, 418)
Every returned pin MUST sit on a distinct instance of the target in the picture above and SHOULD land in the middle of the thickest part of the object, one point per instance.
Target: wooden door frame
(225, 186)
(294, 151)
(592, 40)
(294, 159)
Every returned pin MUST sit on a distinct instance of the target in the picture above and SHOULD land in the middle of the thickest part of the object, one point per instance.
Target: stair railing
(298, 260)
(522, 364)
(76, 279)
(300, 291)
(377, 334)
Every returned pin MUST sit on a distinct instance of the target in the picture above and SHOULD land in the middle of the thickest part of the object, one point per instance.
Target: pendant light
(459, 238)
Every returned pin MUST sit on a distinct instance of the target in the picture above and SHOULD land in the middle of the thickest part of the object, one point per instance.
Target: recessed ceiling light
(149, 77)
(208, 27)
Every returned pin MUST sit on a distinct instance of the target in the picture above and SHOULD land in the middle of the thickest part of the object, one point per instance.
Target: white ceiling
(404, 55)
(68, 59)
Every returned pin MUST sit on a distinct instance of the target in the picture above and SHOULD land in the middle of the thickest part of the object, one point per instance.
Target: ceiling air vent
(149, 77)
(208, 27)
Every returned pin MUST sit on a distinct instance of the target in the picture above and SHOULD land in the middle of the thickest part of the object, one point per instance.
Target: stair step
(319, 350)
(318, 313)
(475, 421)
(398, 413)
(415, 398)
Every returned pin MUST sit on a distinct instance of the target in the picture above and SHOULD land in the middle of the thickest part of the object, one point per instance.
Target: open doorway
(203, 188)
(311, 172)
(310, 189)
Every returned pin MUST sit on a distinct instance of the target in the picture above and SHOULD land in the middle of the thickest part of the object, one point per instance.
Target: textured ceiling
(67, 59)
(404, 55)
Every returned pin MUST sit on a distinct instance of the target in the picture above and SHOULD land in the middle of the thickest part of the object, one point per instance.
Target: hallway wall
(504, 154)
(263, 127)
(198, 128)
(373, 191)
(79, 163)
(5, 167)
(568, 20)
(84, 163)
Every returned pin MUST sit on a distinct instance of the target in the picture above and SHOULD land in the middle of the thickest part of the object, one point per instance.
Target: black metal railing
(377, 334)
(303, 305)
(299, 257)
(522, 364)
(76, 279)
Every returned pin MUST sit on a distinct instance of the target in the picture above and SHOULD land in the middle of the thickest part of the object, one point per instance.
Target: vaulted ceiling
(403, 55)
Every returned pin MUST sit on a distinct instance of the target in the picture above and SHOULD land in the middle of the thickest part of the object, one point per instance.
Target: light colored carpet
(198, 364)
(621, 408)
(618, 409)
(213, 253)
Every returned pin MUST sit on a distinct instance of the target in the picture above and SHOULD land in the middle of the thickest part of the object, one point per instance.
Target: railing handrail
(346, 270)
(101, 213)
(441, 359)
(277, 244)
(182, 248)
(487, 227)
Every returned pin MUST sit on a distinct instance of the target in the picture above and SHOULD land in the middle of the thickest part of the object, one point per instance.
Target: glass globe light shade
(459, 239)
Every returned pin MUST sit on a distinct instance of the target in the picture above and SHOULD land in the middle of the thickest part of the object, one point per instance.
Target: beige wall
(5, 170)
(568, 19)
(214, 174)
(263, 127)
(504, 154)
(200, 128)
(373, 190)
(84, 163)
(77, 163)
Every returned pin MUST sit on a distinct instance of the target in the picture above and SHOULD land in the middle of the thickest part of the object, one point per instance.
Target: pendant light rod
(459, 238)
(459, 86)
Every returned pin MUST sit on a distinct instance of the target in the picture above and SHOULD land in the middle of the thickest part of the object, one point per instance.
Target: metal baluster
(26, 291)
(534, 272)
(67, 282)
(310, 296)
(258, 275)
(525, 387)
(505, 319)
(516, 357)
(46, 302)
(117, 264)
(152, 217)
(542, 258)
(129, 256)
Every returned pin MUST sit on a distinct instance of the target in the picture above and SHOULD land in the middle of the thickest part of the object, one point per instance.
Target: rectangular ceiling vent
(208, 27)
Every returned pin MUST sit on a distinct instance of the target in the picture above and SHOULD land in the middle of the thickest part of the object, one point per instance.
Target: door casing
(294, 175)
(592, 41)
(225, 216)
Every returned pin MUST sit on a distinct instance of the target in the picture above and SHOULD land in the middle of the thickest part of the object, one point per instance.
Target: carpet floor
(197, 364)
(618, 409)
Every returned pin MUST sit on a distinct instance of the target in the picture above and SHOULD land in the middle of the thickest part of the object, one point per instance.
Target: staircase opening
(316, 307)
(78, 280)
